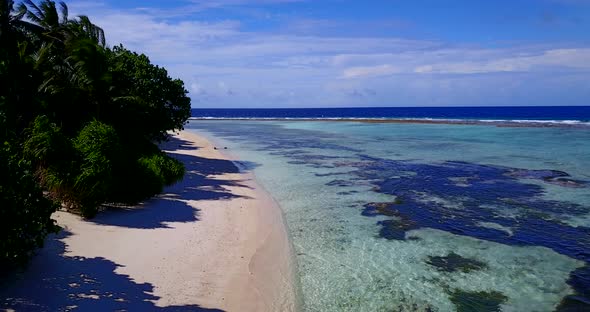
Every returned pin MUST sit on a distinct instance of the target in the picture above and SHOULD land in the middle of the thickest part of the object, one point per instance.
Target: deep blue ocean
(557, 113)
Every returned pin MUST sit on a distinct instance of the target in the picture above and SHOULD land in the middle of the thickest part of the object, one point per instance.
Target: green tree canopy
(79, 121)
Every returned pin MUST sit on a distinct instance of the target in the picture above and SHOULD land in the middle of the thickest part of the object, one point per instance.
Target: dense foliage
(25, 212)
(79, 122)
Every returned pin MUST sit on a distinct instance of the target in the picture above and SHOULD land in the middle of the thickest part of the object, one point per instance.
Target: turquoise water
(410, 217)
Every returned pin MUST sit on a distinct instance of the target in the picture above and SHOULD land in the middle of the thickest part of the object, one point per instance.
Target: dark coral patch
(579, 279)
(566, 182)
(347, 193)
(454, 262)
(297, 162)
(493, 194)
(342, 183)
(480, 301)
(330, 174)
(375, 209)
(397, 228)
(573, 304)
(550, 176)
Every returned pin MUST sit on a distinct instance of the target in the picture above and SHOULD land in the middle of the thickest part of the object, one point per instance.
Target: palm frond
(20, 12)
(90, 30)
(64, 12)
(51, 17)
(34, 13)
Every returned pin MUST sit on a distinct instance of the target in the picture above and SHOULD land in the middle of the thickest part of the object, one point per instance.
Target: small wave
(500, 122)
(565, 122)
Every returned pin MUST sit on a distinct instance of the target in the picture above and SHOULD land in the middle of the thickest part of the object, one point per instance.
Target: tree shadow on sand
(199, 183)
(176, 143)
(56, 282)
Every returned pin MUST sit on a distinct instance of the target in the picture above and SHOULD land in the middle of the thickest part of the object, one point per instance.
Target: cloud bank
(224, 65)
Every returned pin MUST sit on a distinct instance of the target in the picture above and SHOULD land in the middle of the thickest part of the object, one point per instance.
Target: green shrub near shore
(79, 122)
(99, 147)
(24, 212)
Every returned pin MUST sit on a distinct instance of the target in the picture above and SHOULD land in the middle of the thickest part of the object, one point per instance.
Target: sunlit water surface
(409, 217)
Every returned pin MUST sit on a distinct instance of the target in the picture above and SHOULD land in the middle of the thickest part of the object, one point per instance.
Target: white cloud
(550, 60)
(370, 71)
(223, 65)
(199, 6)
(196, 88)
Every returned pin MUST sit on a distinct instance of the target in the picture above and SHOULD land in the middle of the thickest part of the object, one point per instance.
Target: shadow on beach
(199, 183)
(178, 144)
(55, 282)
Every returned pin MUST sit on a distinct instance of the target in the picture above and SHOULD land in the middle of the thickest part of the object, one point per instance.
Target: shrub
(99, 148)
(145, 177)
(45, 142)
(24, 212)
(165, 168)
(52, 157)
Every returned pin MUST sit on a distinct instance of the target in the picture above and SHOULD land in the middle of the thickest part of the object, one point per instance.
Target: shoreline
(278, 216)
(270, 274)
(215, 240)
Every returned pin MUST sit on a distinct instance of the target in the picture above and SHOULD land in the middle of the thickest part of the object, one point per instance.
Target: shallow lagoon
(426, 217)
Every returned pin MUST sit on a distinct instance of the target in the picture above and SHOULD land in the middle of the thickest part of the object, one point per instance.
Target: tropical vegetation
(79, 123)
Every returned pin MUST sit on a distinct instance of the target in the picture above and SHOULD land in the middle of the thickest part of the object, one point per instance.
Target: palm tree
(16, 98)
(46, 17)
(56, 26)
(8, 18)
(11, 21)
(83, 27)
(71, 56)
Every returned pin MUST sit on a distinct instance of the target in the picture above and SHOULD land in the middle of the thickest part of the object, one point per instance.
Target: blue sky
(341, 53)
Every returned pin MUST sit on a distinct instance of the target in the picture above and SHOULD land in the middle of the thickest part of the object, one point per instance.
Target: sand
(215, 240)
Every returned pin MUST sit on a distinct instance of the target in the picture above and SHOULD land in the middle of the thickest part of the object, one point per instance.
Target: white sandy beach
(215, 240)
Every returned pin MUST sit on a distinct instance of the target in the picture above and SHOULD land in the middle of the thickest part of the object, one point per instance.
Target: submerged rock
(454, 262)
(535, 174)
(495, 194)
(347, 193)
(341, 183)
(565, 182)
(580, 300)
(573, 304)
(497, 204)
(550, 176)
(397, 228)
(386, 208)
(480, 301)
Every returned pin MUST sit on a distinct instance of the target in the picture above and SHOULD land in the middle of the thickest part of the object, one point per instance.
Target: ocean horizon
(556, 115)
